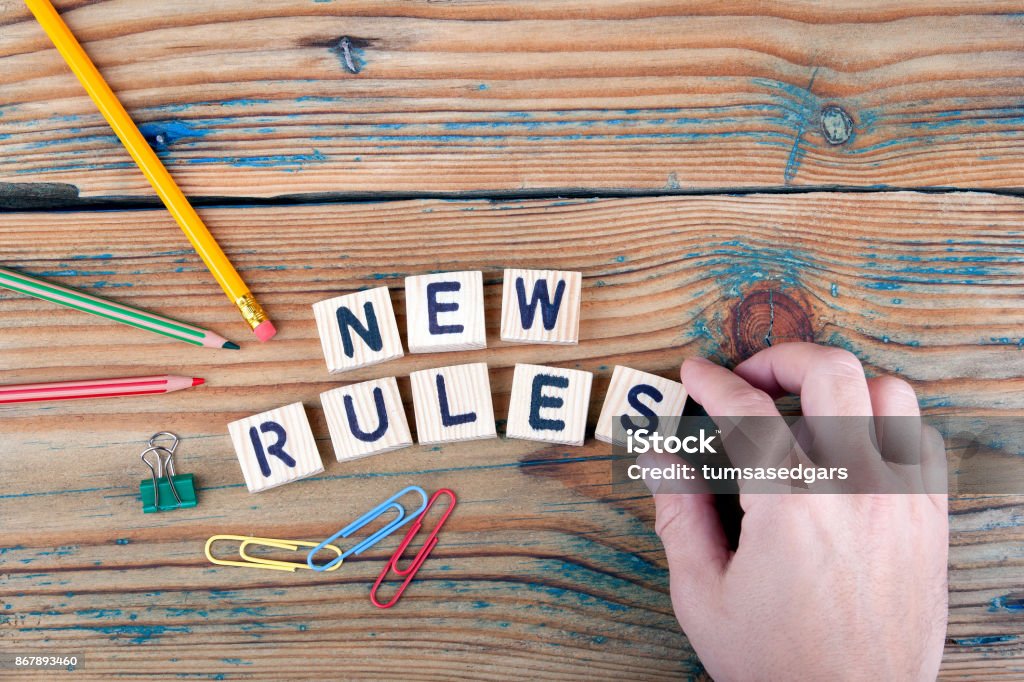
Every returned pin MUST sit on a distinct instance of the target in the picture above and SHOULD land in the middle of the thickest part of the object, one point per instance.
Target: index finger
(830, 381)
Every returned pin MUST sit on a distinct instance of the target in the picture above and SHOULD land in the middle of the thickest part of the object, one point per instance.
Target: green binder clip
(166, 491)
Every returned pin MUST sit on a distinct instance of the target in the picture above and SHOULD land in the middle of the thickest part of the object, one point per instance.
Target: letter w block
(541, 306)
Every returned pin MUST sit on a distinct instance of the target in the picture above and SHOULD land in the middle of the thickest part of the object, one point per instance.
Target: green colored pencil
(119, 312)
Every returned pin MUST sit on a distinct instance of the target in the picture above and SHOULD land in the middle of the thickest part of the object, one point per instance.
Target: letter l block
(453, 403)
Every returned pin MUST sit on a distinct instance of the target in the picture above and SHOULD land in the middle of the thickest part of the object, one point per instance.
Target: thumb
(696, 549)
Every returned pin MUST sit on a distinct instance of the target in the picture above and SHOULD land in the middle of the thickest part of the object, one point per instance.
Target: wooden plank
(362, 96)
(546, 566)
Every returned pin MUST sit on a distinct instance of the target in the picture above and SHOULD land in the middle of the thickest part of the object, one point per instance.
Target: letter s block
(453, 403)
(549, 404)
(541, 306)
(637, 399)
(275, 447)
(366, 419)
(358, 329)
(445, 312)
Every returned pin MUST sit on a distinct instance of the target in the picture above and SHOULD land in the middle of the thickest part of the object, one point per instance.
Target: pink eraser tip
(265, 331)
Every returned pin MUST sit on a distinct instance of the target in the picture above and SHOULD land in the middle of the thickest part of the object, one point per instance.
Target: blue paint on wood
(984, 639)
(162, 134)
(139, 634)
(1008, 602)
(243, 102)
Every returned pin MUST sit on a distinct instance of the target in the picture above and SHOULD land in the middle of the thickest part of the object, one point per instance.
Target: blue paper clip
(390, 528)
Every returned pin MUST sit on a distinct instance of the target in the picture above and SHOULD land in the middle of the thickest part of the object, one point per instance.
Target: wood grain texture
(283, 97)
(546, 569)
(549, 404)
(381, 421)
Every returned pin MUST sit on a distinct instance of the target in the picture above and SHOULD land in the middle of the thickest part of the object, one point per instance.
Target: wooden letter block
(358, 329)
(541, 306)
(638, 399)
(453, 403)
(366, 419)
(549, 404)
(445, 312)
(275, 447)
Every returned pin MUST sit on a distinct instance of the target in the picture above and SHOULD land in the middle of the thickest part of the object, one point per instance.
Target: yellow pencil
(173, 198)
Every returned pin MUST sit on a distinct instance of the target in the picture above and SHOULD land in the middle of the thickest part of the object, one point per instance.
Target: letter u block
(445, 312)
(366, 419)
(541, 306)
(637, 399)
(453, 403)
(358, 329)
(275, 447)
(549, 404)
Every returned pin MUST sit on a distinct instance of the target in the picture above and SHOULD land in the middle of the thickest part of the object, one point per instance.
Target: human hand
(821, 586)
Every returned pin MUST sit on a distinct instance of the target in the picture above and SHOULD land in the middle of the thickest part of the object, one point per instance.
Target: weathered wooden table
(725, 178)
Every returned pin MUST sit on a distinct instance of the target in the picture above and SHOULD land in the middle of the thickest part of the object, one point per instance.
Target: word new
(445, 312)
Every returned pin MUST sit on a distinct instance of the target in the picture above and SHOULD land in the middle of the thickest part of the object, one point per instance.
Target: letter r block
(275, 447)
(549, 404)
(366, 419)
(541, 306)
(636, 399)
(358, 329)
(445, 312)
(453, 403)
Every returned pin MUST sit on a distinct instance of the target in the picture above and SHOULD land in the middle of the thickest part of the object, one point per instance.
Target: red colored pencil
(95, 388)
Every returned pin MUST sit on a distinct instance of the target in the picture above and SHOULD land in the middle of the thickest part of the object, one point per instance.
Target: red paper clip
(421, 556)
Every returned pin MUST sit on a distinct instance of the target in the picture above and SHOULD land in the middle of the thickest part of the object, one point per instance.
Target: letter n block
(637, 399)
(549, 404)
(445, 312)
(358, 329)
(541, 306)
(453, 403)
(366, 419)
(275, 447)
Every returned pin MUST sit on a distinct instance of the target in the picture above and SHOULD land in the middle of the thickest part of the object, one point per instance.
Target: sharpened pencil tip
(230, 345)
(196, 381)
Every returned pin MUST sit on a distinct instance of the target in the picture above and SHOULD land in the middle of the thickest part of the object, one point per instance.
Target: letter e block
(366, 419)
(453, 403)
(541, 306)
(445, 312)
(637, 399)
(275, 447)
(358, 329)
(549, 404)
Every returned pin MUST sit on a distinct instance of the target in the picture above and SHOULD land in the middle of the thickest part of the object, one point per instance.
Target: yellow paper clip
(258, 562)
